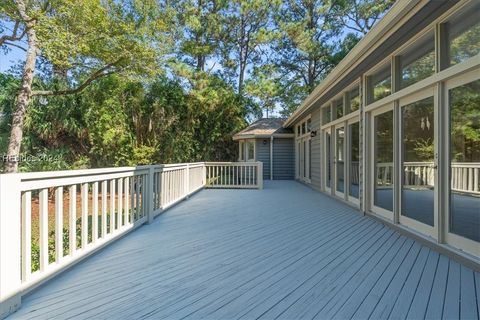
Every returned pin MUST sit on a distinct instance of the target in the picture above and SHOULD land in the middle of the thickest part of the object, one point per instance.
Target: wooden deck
(282, 252)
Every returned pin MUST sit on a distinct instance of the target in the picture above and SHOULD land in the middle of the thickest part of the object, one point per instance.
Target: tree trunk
(16, 133)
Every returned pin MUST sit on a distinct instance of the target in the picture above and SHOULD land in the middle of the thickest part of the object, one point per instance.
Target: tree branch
(14, 36)
(94, 76)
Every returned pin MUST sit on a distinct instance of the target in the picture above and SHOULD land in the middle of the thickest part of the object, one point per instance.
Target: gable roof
(263, 128)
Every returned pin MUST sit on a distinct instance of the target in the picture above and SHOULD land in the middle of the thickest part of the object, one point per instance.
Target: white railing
(241, 175)
(51, 220)
(465, 176)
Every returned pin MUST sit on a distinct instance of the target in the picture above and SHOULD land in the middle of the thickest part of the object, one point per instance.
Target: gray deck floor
(282, 252)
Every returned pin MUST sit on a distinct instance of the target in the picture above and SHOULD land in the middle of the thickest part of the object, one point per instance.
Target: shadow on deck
(282, 252)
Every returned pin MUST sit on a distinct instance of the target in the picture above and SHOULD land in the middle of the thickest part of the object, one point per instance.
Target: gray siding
(316, 150)
(283, 159)
(263, 154)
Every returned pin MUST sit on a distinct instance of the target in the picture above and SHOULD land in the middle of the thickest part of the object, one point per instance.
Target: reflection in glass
(327, 114)
(354, 97)
(339, 108)
(328, 158)
(354, 135)
(309, 158)
(383, 148)
(465, 160)
(380, 84)
(250, 150)
(302, 160)
(463, 32)
(340, 159)
(418, 159)
(418, 62)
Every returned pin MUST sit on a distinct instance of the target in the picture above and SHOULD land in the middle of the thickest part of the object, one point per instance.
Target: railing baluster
(94, 211)
(84, 224)
(43, 222)
(126, 204)
(26, 235)
(72, 217)
(58, 224)
(104, 208)
(112, 206)
(120, 203)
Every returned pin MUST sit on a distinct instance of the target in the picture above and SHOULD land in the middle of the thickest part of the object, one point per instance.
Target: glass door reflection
(328, 159)
(339, 160)
(383, 161)
(418, 167)
(354, 159)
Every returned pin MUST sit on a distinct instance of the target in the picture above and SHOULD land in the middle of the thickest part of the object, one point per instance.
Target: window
(309, 125)
(462, 35)
(338, 107)
(303, 128)
(418, 61)
(250, 150)
(242, 151)
(327, 115)
(464, 183)
(354, 99)
(380, 84)
(354, 161)
(418, 145)
(383, 160)
(298, 130)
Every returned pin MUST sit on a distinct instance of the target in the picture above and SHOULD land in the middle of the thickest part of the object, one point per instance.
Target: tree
(200, 24)
(361, 15)
(304, 49)
(87, 39)
(247, 32)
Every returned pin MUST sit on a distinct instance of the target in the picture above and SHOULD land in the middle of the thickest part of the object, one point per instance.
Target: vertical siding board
(263, 155)
(283, 159)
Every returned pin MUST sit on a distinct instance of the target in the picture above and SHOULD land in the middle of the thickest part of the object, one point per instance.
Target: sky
(11, 58)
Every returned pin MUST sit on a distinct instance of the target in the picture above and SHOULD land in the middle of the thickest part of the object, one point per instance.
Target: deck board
(283, 252)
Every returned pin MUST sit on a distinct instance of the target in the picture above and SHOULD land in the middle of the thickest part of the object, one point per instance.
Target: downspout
(271, 157)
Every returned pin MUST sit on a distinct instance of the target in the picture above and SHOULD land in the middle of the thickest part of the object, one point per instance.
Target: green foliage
(424, 149)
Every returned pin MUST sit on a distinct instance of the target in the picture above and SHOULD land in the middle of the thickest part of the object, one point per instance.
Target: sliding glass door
(418, 164)
(328, 159)
(353, 169)
(463, 170)
(339, 160)
(382, 161)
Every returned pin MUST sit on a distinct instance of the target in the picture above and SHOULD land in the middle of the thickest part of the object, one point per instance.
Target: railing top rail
(25, 176)
(243, 163)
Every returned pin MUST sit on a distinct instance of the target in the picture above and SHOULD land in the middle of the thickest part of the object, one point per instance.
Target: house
(394, 129)
(390, 139)
(267, 141)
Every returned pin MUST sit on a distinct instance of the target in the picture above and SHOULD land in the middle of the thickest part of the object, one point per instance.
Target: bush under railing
(51, 220)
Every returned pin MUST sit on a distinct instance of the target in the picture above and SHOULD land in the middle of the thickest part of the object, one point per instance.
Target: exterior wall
(262, 153)
(368, 171)
(283, 159)
(316, 151)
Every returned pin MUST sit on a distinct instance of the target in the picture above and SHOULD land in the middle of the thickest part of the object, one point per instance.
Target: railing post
(151, 172)
(260, 175)
(187, 180)
(204, 174)
(10, 244)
